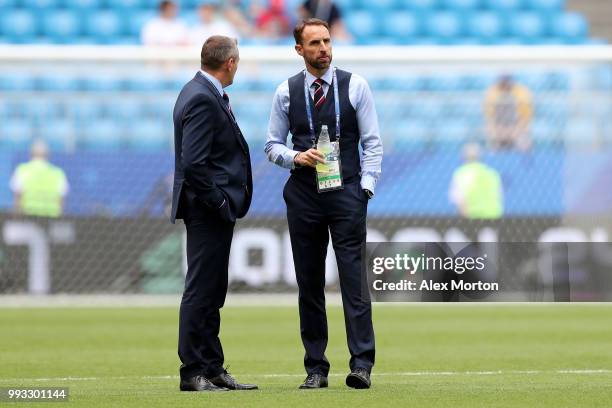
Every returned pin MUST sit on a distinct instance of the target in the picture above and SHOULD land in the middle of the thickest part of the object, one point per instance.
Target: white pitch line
(375, 374)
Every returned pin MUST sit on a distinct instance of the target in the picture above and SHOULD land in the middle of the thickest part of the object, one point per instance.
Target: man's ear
(299, 49)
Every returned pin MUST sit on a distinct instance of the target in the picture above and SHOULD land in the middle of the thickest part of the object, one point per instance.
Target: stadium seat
(488, 27)
(137, 21)
(544, 132)
(85, 111)
(377, 7)
(149, 135)
(445, 26)
(124, 110)
(461, 5)
(421, 5)
(57, 133)
(18, 26)
(61, 26)
(121, 5)
(15, 134)
(571, 27)
(144, 82)
(59, 82)
(529, 27)
(103, 82)
(104, 27)
(83, 4)
(546, 5)
(14, 81)
(504, 5)
(8, 4)
(40, 4)
(102, 135)
(410, 133)
(402, 25)
(362, 24)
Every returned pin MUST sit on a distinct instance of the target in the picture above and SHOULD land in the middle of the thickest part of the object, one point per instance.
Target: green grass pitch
(427, 356)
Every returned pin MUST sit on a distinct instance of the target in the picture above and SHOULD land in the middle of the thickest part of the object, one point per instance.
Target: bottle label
(329, 174)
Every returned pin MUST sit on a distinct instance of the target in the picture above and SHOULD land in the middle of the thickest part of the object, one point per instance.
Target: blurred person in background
(272, 22)
(211, 21)
(165, 29)
(329, 12)
(39, 187)
(323, 95)
(509, 110)
(213, 186)
(476, 189)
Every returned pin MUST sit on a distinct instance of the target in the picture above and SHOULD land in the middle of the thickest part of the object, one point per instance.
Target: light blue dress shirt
(214, 81)
(362, 101)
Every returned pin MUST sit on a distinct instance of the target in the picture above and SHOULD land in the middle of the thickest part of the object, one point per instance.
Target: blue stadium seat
(126, 4)
(105, 27)
(85, 111)
(137, 21)
(571, 27)
(102, 135)
(362, 24)
(39, 109)
(59, 82)
(15, 134)
(445, 26)
(125, 110)
(546, 5)
(461, 5)
(504, 5)
(529, 27)
(103, 82)
(19, 26)
(144, 82)
(377, 7)
(486, 26)
(149, 135)
(61, 26)
(16, 81)
(421, 5)
(83, 4)
(40, 4)
(8, 4)
(57, 133)
(403, 25)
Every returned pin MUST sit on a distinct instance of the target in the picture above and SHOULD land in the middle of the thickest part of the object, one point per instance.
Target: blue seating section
(371, 22)
(116, 112)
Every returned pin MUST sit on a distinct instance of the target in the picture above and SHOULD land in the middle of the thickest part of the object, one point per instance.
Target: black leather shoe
(225, 380)
(359, 378)
(199, 383)
(313, 381)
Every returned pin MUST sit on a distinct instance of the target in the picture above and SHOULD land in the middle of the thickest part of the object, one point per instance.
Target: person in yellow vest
(508, 108)
(38, 186)
(476, 189)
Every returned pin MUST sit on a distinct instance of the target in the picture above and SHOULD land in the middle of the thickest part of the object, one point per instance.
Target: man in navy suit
(212, 187)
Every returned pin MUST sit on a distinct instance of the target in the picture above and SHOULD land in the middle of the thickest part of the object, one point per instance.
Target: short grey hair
(217, 50)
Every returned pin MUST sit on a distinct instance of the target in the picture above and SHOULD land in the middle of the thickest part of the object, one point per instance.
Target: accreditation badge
(329, 174)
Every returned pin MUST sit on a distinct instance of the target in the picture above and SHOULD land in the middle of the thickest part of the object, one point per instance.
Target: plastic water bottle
(324, 146)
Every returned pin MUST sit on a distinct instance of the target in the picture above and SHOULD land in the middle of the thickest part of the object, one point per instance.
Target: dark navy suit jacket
(212, 161)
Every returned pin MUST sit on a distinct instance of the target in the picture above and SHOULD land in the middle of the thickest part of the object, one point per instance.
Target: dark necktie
(226, 99)
(319, 96)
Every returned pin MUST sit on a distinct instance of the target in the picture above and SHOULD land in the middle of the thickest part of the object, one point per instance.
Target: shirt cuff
(368, 183)
(290, 158)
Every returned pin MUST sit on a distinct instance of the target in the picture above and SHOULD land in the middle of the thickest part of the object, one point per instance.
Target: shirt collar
(214, 81)
(327, 77)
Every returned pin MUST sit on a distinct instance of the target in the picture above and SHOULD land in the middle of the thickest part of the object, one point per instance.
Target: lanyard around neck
(309, 108)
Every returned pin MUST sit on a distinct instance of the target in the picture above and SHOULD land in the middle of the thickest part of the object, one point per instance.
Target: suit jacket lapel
(202, 79)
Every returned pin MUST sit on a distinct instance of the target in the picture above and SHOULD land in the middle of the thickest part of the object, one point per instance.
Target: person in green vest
(476, 188)
(38, 186)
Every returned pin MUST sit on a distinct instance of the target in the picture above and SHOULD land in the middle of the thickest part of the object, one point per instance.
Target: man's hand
(309, 158)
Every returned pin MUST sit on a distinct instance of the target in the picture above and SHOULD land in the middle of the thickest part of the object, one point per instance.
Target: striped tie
(319, 96)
